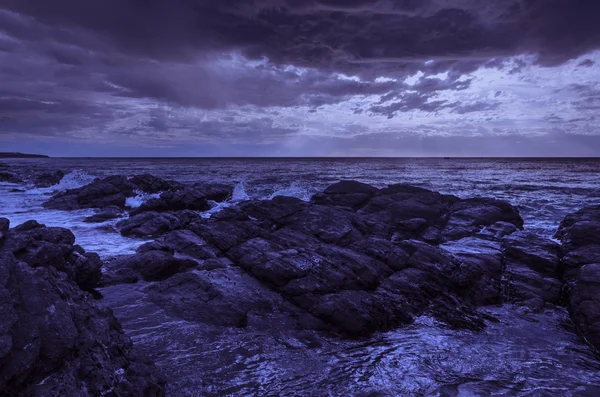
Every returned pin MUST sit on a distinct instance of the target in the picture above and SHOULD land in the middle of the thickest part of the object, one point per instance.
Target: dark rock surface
(579, 233)
(104, 215)
(54, 339)
(148, 224)
(6, 176)
(114, 190)
(38, 245)
(354, 260)
(101, 193)
(48, 179)
(186, 198)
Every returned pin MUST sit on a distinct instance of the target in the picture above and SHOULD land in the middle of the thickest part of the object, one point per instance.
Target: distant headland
(6, 155)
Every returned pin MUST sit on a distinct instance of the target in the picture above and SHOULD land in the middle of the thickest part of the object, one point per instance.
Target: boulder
(9, 177)
(152, 224)
(4, 226)
(579, 233)
(38, 246)
(151, 184)
(470, 216)
(182, 243)
(55, 341)
(104, 215)
(101, 193)
(186, 198)
(351, 194)
(222, 297)
(152, 265)
(48, 179)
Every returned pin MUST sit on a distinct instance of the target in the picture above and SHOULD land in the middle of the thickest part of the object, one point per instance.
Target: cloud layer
(282, 76)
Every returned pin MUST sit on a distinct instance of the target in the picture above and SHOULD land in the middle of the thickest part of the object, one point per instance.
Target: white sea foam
(239, 193)
(140, 198)
(294, 190)
(72, 180)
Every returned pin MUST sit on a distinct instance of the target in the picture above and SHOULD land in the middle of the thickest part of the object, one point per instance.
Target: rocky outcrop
(186, 198)
(579, 233)
(48, 179)
(113, 191)
(353, 260)
(6, 176)
(54, 340)
(151, 224)
(38, 245)
(101, 193)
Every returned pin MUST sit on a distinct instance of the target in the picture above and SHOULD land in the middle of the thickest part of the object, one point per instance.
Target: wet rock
(54, 338)
(149, 224)
(4, 226)
(38, 245)
(479, 274)
(223, 297)
(470, 216)
(539, 254)
(101, 193)
(153, 265)
(351, 194)
(9, 177)
(107, 192)
(151, 184)
(186, 198)
(215, 192)
(579, 233)
(182, 243)
(48, 179)
(497, 231)
(104, 215)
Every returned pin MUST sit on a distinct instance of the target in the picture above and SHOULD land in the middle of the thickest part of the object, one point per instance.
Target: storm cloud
(284, 72)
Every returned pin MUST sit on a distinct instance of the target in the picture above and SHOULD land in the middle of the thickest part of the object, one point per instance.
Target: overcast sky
(300, 77)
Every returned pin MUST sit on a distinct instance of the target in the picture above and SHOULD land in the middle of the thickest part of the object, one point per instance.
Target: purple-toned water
(525, 354)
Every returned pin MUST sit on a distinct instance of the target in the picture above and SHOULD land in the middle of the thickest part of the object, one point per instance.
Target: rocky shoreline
(352, 261)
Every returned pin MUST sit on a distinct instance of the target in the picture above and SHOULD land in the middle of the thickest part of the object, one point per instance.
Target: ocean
(525, 354)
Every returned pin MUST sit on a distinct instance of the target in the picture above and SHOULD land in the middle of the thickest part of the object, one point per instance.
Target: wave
(239, 193)
(294, 190)
(72, 180)
(140, 198)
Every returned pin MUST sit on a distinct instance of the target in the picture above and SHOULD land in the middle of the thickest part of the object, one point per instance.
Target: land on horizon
(6, 155)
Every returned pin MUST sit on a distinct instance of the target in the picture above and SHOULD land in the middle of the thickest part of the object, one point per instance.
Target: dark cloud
(333, 35)
(121, 67)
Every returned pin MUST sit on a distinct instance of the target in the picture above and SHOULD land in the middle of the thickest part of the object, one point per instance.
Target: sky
(300, 77)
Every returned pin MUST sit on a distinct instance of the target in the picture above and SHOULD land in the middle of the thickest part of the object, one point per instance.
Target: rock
(222, 297)
(470, 216)
(110, 191)
(186, 198)
(54, 339)
(149, 224)
(351, 194)
(182, 243)
(150, 184)
(154, 265)
(579, 233)
(216, 192)
(497, 231)
(48, 179)
(38, 245)
(4, 225)
(479, 275)
(101, 193)
(104, 215)
(539, 254)
(9, 177)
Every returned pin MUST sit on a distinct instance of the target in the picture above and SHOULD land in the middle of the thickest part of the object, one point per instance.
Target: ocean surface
(525, 354)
